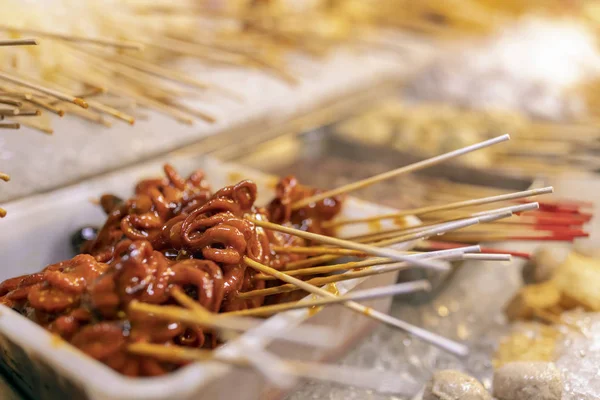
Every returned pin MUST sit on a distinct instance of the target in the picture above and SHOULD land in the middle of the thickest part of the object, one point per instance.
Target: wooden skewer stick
(488, 257)
(378, 270)
(29, 113)
(443, 228)
(51, 92)
(190, 303)
(370, 379)
(35, 124)
(446, 207)
(317, 250)
(309, 262)
(308, 335)
(11, 102)
(9, 112)
(325, 269)
(18, 42)
(12, 125)
(465, 252)
(430, 337)
(382, 252)
(4, 177)
(120, 44)
(111, 111)
(368, 294)
(399, 171)
(160, 72)
(88, 115)
(491, 215)
(414, 231)
(50, 106)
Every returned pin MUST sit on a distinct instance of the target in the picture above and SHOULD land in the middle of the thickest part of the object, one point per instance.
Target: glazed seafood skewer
(213, 237)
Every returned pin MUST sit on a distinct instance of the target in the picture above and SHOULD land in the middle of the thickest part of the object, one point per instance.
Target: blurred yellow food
(529, 342)
(574, 285)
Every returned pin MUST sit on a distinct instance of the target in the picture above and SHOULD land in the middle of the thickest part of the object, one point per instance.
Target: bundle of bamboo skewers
(126, 60)
(12, 107)
(540, 148)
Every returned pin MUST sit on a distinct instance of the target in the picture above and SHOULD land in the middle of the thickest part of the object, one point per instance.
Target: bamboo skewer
(314, 250)
(12, 125)
(18, 42)
(307, 335)
(309, 262)
(371, 379)
(188, 302)
(377, 270)
(368, 263)
(383, 252)
(47, 106)
(444, 343)
(29, 113)
(51, 92)
(119, 44)
(445, 207)
(393, 238)
(394, 233)
(9, 112)
(368, 294)
(443, 228)
(11, 102)
(88, 115)
(32, 123)
(376, 262)
(399, 171)
(324, 280)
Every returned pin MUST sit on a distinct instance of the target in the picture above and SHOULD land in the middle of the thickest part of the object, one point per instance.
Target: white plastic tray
(36, 232)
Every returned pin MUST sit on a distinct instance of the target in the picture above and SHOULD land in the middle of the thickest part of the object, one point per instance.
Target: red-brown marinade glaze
(172, 233)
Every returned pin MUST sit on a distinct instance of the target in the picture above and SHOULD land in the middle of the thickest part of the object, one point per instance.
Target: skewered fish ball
(524, 380)
(454, 385)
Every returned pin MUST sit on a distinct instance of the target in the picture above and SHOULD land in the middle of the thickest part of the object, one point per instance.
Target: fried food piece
(541, 296)
(529, 342)
(451, 384)
(578, 279)
(528, 380)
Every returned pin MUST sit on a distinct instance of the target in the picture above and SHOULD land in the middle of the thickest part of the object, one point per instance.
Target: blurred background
(351, 88)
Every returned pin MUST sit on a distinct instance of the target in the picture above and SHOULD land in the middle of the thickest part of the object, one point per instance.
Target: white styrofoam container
(36, 232)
